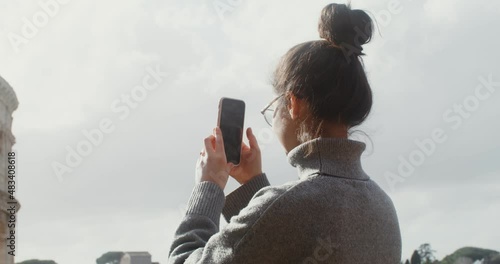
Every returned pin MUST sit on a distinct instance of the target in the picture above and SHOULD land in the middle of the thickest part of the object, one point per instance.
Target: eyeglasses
(269, 112)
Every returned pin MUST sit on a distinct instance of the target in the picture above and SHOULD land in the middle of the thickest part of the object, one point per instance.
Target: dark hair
(328, 74)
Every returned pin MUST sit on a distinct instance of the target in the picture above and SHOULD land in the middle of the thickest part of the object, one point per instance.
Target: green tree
(472, 253)
(112, 257)
(426, 253)
(415, 258)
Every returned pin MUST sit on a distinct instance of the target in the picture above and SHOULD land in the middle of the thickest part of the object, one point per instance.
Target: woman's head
(324, 86)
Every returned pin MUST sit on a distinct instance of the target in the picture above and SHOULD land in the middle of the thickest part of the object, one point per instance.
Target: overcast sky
(75, 66)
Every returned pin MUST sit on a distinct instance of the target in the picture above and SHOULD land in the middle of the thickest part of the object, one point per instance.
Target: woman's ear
(296, 107)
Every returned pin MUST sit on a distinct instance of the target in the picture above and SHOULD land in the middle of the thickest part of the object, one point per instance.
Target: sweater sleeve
(198, 240)
(239, 198)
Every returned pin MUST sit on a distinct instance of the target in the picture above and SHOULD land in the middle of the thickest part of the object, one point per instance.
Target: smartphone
(230, 120)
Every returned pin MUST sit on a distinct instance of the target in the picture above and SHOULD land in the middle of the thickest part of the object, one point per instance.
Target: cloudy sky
(76, 65)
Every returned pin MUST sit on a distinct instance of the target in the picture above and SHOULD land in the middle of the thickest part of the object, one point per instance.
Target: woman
(334, 212)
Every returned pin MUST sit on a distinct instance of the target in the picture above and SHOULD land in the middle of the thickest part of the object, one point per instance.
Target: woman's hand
(212, 164)
(250, 162)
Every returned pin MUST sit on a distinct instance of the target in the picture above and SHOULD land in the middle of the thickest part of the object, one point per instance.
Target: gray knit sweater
(333, 213)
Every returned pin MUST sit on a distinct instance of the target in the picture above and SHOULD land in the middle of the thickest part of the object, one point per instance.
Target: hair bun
(344, 27)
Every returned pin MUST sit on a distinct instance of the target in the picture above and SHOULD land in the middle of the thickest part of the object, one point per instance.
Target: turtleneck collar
(340, 157)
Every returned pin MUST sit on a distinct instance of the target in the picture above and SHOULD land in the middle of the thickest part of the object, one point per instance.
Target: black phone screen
(231, 118)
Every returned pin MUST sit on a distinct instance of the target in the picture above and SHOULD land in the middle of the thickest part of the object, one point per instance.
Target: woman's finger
(219, 143)
(209, 146)
(252, 140)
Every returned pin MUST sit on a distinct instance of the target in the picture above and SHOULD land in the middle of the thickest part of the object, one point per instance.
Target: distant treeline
(466, 255)
(423, 255)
